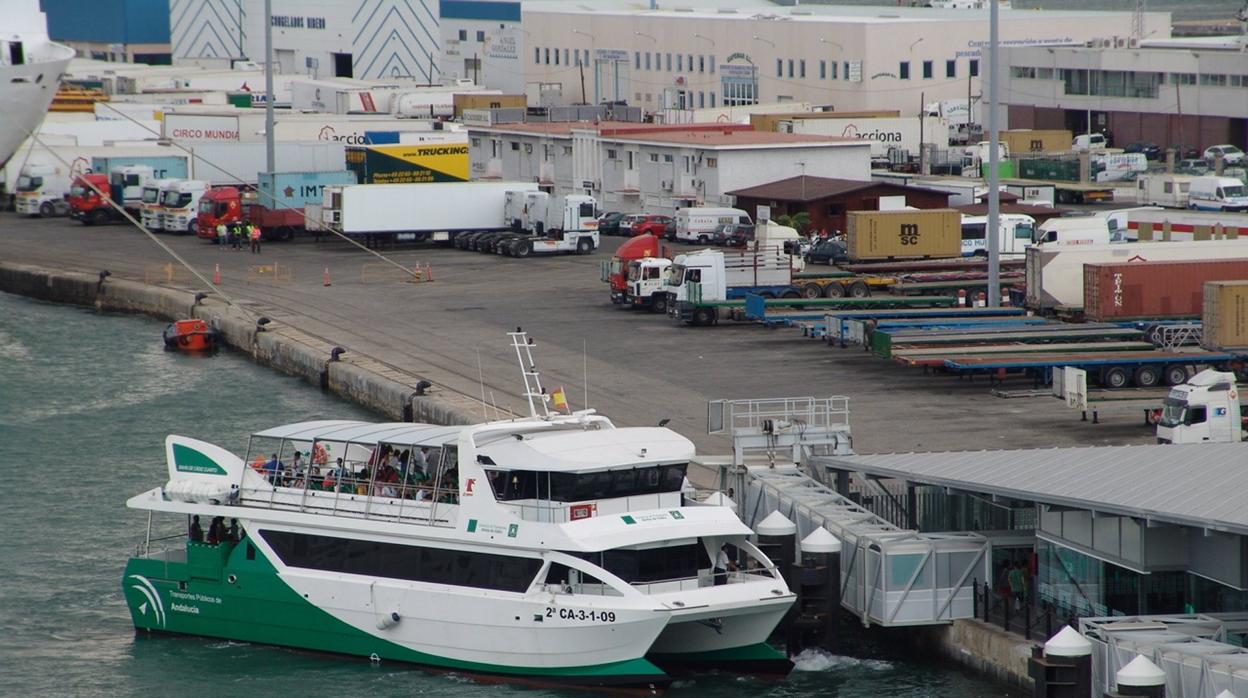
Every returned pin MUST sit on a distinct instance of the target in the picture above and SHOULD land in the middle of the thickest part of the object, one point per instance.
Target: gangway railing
(804, 425)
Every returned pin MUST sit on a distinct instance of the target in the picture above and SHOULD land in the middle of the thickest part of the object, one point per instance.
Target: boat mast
(533, 390)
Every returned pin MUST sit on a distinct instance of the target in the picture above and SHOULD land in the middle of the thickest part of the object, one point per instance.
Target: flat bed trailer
(858, 330)
(1112, 370)
(932, 265)
(837, 328)
(883, 342)
(757, 307)
(936, 356)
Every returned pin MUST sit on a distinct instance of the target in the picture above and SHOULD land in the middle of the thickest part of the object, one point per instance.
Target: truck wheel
(812, 290)
(284, 233)
(1148, 376)
(859, 289)
(1175, 374)
(834, 290)
(192, 226)
(47, 210)
(658, 303)
(1115, 377)
(767, 294)
(98, 217)
(703, 316)
(522, 248)
(791, 295)
(584, 246)
(702, 239)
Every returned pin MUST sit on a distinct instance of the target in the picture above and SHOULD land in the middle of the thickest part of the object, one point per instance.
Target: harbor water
(86, 401)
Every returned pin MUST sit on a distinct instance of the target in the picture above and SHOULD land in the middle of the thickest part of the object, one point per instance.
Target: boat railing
(584, 589)
(546, 511)
(773, 415)
(706, 578)
(426, 503)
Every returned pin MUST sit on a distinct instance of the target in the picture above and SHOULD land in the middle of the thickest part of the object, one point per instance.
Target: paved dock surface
(641, 367)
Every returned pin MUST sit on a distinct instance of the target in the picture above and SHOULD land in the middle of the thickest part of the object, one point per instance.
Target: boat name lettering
(183, 608)
(475, 526)
(581, 614)
(639, 518)
(195, 597)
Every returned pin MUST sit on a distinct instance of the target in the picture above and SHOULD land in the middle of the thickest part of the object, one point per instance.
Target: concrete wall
(356, 377)
(983, 648)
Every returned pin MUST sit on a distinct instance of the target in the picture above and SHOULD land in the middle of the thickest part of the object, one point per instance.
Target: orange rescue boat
(190, 335)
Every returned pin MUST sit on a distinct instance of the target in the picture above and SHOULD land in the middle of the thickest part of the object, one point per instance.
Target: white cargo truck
(1014, 233)
(1204, 409)
(149, 203)
(647, 284)
(1055, 272)
(179, 203)
(41, 190)
(696, 224)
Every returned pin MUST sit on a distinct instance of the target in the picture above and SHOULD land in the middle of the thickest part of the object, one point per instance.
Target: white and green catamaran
(554, 548)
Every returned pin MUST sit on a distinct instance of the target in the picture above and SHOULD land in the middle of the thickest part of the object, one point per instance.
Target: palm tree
(799, 221)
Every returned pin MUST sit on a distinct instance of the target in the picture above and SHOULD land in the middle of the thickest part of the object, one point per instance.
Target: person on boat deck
(195, 533)
(421, 459)
(296, 466)
(216, 530)
(272, 467)
(723, 565)
(233, 533)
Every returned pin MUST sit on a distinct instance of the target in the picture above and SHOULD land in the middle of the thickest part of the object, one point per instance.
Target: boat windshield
(515, 485)
(663, 564)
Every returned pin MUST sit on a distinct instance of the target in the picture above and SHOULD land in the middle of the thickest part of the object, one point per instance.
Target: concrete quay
(641, 367)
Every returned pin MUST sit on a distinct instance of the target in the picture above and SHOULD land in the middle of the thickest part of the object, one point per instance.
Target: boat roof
(364, 433)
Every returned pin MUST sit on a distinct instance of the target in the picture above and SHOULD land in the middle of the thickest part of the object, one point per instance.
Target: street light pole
(270, 156)
(994, 161)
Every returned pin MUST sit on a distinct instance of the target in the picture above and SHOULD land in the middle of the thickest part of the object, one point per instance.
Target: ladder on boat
(533, 390)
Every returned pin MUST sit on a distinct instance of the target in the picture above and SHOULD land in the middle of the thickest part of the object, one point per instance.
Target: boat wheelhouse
(556, 548)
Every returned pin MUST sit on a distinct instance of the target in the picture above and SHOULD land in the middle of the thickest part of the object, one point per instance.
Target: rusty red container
(1138, 290)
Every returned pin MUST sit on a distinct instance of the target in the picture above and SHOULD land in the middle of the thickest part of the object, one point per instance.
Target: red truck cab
(617, 269)
(85, 204)
(218, 205)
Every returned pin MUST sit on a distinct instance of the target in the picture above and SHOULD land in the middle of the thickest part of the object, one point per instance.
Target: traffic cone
(327, 283)
(428, 272)
(216, 275)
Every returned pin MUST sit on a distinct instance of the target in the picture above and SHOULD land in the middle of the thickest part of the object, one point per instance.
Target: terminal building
(656, 168)
(852, 58)
(119, 31)
(1190, 92)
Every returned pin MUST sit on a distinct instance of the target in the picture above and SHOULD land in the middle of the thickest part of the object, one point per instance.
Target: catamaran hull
(251, 601)
(737, 642)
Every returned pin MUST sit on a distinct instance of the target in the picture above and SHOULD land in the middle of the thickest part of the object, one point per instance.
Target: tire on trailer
(702, 239)
(47, 210)
(1148, 376)
(1174, 374)
(703, 317)
(791, 295)
(859, 289)
(767, 294)
(584, 246)
(522, 248)
(658, 303)
(1115, 377)
(834, 290)
(811, 289)
(98, 217)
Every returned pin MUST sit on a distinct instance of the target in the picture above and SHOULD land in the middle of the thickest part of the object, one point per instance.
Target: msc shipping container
(1137, 290)
(1037, 141)
(1225, 316)
(903, 234)
(1055, 274)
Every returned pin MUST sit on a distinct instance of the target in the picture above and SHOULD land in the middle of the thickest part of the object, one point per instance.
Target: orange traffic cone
(216, 275)
(428, 272)
(327, 283)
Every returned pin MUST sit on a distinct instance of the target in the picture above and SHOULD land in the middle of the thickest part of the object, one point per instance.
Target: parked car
(1231, 155)
(609, 223)
(626, 223)
(1186, 152)
(650, 223)
(1151, 151)
(1192, 166)
(739, 234)
(826, 251)
(720, 236)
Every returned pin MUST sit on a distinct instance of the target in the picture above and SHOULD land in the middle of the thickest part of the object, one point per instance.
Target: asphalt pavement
(635, 367)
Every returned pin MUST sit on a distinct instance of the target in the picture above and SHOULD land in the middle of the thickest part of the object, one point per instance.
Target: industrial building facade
(657, 169)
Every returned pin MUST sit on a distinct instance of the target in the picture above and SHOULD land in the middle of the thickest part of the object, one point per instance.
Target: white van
(1016, 233)
(1217, 194)
(698, 223)
(1089, 141)
(1075, 230)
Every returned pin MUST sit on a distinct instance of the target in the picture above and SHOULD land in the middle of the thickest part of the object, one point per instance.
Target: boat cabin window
(652, 564)
(415, 563)
(512, 485)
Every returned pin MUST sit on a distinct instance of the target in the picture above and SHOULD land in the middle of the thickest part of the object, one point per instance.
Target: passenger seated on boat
(216, 530)
(296, 466)
(234, 533)
(195, 532)
(420, 460)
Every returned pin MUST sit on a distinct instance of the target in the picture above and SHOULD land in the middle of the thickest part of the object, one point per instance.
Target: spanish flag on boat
(560, 399)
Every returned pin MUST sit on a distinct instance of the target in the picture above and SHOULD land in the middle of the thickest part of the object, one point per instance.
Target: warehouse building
(852, 58)
(655, 168)
(482, 42)
(126, 31)
(1191, 92)
(826, 200)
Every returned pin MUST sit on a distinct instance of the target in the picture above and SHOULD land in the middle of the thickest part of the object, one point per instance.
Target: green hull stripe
(759, 652)
(260, 607)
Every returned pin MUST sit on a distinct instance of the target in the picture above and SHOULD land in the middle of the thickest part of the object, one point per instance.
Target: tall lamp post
(994, 161)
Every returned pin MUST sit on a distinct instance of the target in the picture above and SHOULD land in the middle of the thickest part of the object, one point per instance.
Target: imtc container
(1137, 290)
(1224, 320)
(904, 234)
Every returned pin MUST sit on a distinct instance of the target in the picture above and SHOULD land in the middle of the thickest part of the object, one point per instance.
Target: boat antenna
(481, 378)
(533, 390)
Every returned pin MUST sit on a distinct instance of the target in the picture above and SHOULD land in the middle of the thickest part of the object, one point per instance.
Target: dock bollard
(1140, 677)
(777, 539)
(1063, 667)
(819, 593)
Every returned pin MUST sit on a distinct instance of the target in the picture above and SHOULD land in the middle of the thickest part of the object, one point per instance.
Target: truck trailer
(277, 206)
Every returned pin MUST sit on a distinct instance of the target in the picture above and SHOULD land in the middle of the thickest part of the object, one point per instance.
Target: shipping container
(1055, 274)
(410, 164)
(1052, 169)
(241, 163)
(1138, 290)
(904, 234)
(163, 166)
(295, 190)
(1225, 316)
(1037, 141)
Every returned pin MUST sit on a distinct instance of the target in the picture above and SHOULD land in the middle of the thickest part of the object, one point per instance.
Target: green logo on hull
(153, 601)
(628, 519)
(188, 460)
(512, 530)
(472, 525)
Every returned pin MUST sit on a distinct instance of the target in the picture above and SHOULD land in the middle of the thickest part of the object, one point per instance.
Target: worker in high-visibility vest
(253, 233)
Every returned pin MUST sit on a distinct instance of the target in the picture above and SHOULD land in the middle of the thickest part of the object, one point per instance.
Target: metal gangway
(1202, 654)
(890, 576)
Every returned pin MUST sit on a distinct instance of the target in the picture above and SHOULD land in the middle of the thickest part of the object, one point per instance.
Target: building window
(649, 97)
(654, 157)
(823, 70)
(647, 60)
(565, 57)
(1022, 72)
(537, 56)
(779, 67)
(471, 67)
(632, 159)
(481, 36)
(712, 60)
(515, 145)
(711, 162)
(548, 152)
(680, 62)
(548, 56)
(790, 67)
(974, 68)
(567, 150)
(712, 100)
(1044, 73)
(702, 99)
(496, 148)
(701, 64)
(801, 68)
(476, 142)
(637, 61)
(611, 154)
(903, 70)
(951, 69)
(832, 70)
(557, 56)
(463, 34)
(667, 62)
(667, 158)
(689, 60)
(1211, 80)
(845, 71)
(927, 70)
